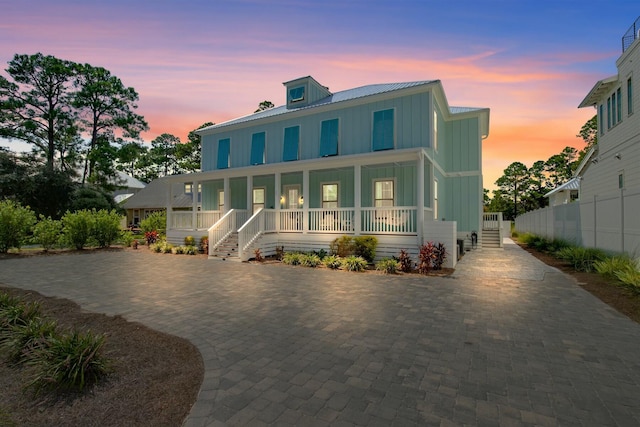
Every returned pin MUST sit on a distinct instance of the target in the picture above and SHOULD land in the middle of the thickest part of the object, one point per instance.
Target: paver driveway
(505, 341)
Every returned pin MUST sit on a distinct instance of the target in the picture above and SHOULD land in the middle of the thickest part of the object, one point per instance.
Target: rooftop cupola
(304, 91)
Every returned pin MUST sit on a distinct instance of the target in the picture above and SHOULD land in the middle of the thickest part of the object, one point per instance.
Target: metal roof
(598, 91)
(342, 96)
(572, 184)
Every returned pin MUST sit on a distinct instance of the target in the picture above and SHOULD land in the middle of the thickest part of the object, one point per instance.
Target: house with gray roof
(391, 160)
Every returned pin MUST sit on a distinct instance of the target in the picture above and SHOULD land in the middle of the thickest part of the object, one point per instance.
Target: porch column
(227, 195)
(357, 199)
(420, 198)
(168, 208)
(277, 195)
(194, 205)
(305, 201)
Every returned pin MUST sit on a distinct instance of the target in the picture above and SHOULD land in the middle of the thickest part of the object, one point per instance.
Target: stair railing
(219, 231)
(249, 233)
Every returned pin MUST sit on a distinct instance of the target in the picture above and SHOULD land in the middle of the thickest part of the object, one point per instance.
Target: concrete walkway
(506, 341)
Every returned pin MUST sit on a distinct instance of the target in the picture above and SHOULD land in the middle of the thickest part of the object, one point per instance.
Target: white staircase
(227, 250)
(491, 239)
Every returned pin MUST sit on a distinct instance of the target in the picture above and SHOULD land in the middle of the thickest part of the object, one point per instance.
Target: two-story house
(610, 175)
(390, 160)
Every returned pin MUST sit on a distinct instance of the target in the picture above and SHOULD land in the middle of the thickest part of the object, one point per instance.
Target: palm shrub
(388, 266)
(365, 247)
(77, 228)
(333, 262)
(406, 264)
(15, 224)
(581, 258)
(105, 227)
(69, 362)
(47, 232)
(354, 263)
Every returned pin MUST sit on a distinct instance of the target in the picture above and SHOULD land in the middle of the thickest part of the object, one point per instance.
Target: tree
(498, 203)
(106, 106)
(589, 134)
(514, 183)
(129, 156)
(560, 167)
(35, 107)
(188, 154)
(264, 105)
(533, 198)
(163, 154)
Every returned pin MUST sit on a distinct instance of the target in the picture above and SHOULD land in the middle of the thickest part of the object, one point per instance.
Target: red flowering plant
(151, 236)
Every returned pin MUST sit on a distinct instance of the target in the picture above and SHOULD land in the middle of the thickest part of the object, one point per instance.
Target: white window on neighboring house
(435, 199)
(384, 193)
(188, 188)
(258, 199)
(329, 196)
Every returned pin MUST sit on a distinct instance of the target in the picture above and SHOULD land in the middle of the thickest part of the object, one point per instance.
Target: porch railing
(337, 220)
(491, 220)
(207, 218)
(225, 226)
(291, 220)
(183, 220)
(396, 220)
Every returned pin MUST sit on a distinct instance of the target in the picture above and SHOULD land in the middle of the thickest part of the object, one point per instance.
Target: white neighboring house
(129, 186)
(606, 216)
(565, 193)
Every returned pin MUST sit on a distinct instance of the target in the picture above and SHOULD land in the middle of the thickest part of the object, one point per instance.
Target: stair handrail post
(220, 230)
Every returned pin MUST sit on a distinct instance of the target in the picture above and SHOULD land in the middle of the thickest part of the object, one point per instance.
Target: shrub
(76, 228)
(354, 263)
(388, 266)
(17, 313)
(166, 247)
(292, 258)
(15, 224)
(321, 253)
(106, 227)
(439, 256)
(151, 237)
(127, 238)
(427, 253)
(20, 340)
(190, 250)
(406, 264)
(342, 246)
(582, 259)
(47, 232)
(610, 266)
(332, 261)
(204, 244)
(630, 276)
(258, 255)
(178, 250)
(157, 221)
(7, 301)
(310, 260)
(365, 247)
(189, 241)
(69, 362)
(279, 252)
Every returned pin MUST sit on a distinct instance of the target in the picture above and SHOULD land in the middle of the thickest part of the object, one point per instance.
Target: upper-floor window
(383, 193)
(435, 199)
(383, 130)
(608, 113)
(291, 143)
(435, 130)
(601, 114)
(330, 195)
(257, 148)
(614, 114)
(223, 153)
(329, 138)
(619, 104)
(296, 94)
(621, 179)
(629, 97)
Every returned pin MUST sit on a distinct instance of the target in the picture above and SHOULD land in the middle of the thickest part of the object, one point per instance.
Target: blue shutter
(383, 130)
(291, 141)
(257, 148)
(329, 138)
(223, 153)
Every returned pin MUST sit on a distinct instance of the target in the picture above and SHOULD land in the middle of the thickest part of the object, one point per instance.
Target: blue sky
(530, 62)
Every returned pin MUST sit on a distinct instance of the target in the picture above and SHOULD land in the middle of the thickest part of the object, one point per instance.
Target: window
(296, 94)
(435, 130)
(291, 142)
(188, 188)
(329, 196)
(435, 199)
(629, 97)
(223, 153)
(257, 148)
(383, 130)
(619, 104)
(621, 180)
(608, 113)
(613, 109)
(384, 193)
(258, 199)
(329, 138)
(220, 200)
(601, 114)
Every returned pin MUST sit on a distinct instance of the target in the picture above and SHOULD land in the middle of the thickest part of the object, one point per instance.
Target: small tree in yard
(47, 232)
(76, 228)
(15, 223)
(106, 227)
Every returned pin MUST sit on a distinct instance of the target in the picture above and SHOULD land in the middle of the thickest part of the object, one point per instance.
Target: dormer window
(296, 94)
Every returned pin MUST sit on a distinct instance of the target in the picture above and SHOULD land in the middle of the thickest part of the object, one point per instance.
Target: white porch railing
(391, 220)
(249, 232)
(206, 218)
(226, 225)
(491, 220)
(291, 220)
(337, 220)
(181, 220)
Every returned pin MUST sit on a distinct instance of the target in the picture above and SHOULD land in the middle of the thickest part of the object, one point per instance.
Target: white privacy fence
(608, 222)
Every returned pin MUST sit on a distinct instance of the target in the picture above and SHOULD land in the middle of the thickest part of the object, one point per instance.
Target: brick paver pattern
(505, 341)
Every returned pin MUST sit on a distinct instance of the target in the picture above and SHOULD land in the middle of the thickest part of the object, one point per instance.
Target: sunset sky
(191, 61)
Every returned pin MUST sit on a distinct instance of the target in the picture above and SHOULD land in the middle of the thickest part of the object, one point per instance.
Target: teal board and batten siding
(238, 190)
(268, 183)
(210, 192)
(462, 195)
(462, 145)
(412, 129)
(344, 177)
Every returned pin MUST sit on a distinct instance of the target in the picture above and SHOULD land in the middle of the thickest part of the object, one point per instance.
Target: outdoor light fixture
(618, 156)
(301, 200)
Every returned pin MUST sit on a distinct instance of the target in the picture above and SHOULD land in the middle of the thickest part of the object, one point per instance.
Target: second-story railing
(631, 35)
